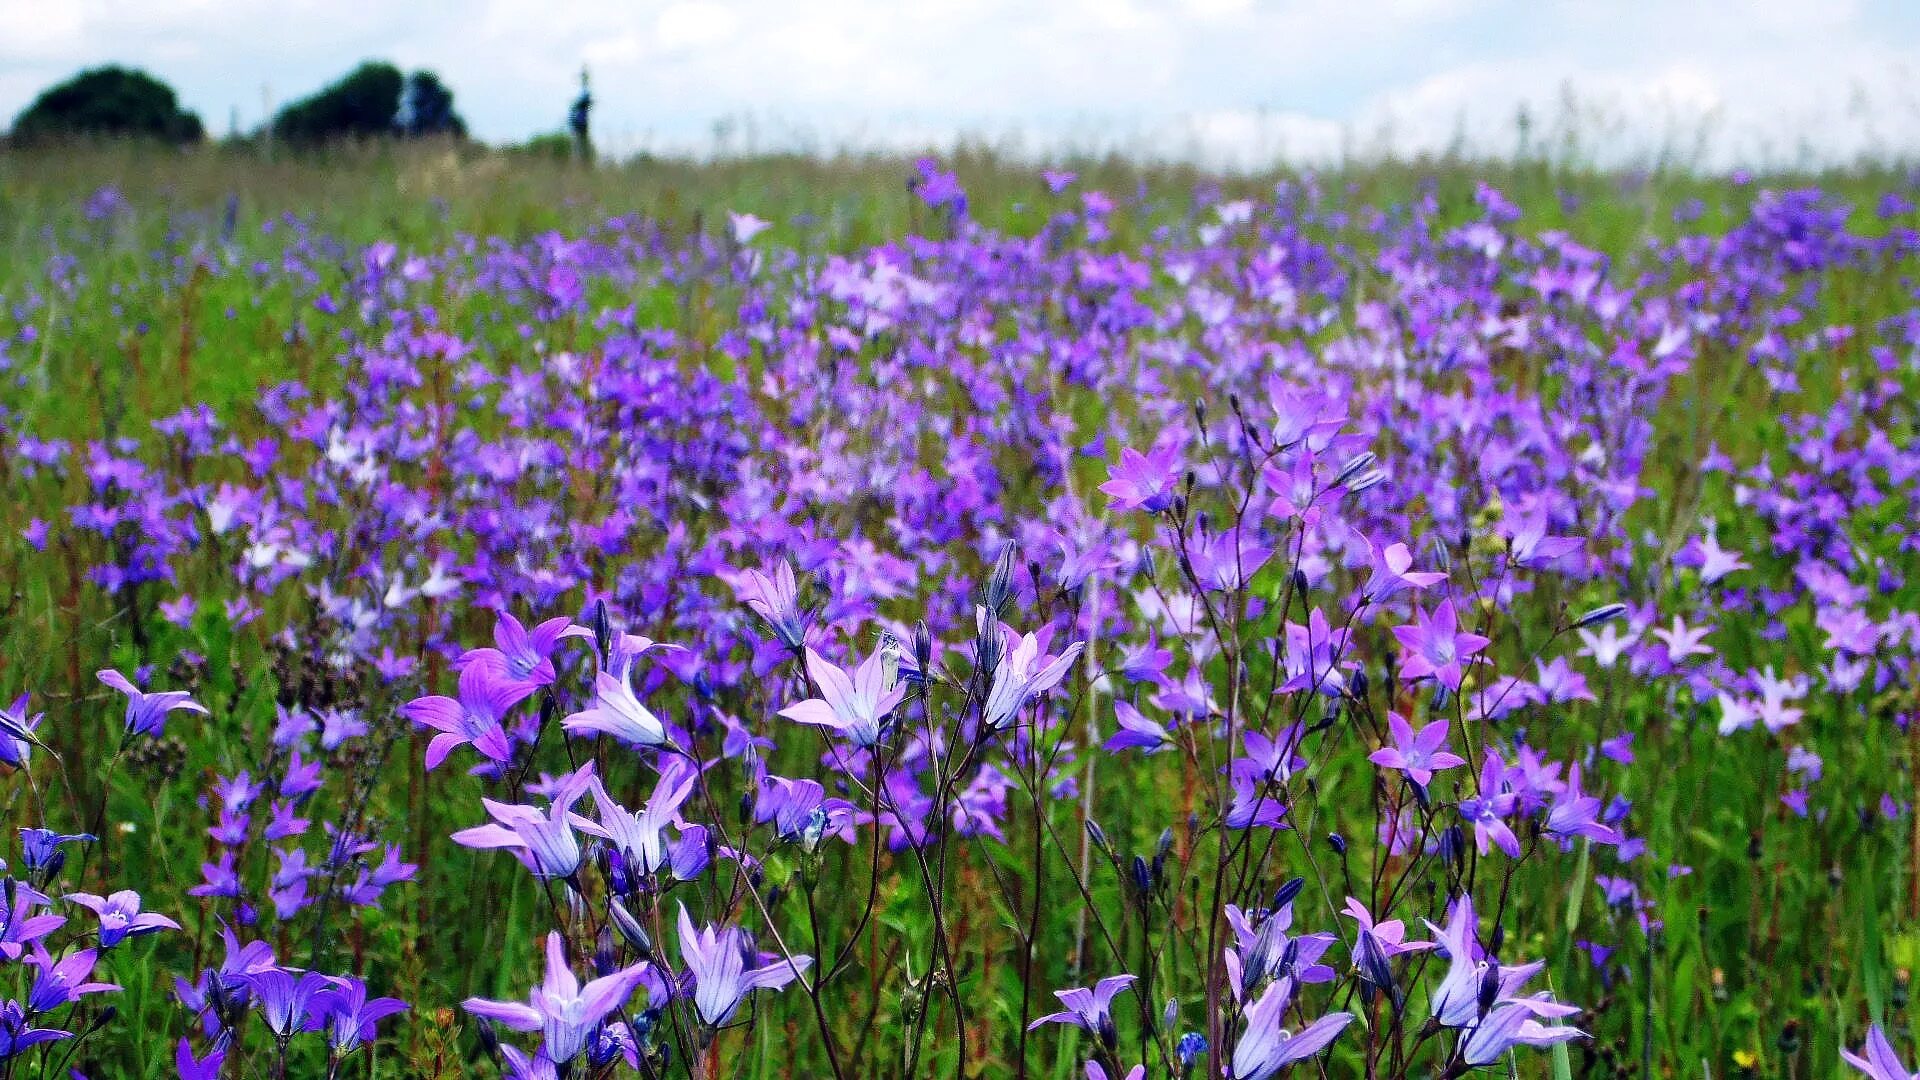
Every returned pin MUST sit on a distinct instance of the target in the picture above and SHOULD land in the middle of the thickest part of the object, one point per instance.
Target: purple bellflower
(1089, 1009)
(1420, 753)
(120, 916)
(856, 706)
(1267, 1046)
(147, 713)
(560, 1008)
(726, 968)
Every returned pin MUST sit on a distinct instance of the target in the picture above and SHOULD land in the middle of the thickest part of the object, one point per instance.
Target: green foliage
(374, 100)
(111, 102)
(363, 104)
(426, 108)
(553, 145)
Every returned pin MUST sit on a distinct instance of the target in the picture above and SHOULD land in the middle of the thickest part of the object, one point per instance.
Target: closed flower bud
(630, 929)
(923, 650)
(1603, 613)
(605, 959)
(1338, 843)
(1099, 837)
(1366, 481)
(1353, 468)
(602, 628)
(1289, 889)
(1000, 582)
(1489, 988)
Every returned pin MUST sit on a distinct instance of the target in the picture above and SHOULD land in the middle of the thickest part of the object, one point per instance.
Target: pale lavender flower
(543, 841)
(1877, 1058)
(560, 1008)
(726, 968)
(616, 711)
(1419, 754)
(1136, 732)
(857, 706)
(1267, 1046)
(1022, 675)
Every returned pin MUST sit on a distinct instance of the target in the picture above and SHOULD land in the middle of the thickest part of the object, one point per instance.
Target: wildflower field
(467, 615)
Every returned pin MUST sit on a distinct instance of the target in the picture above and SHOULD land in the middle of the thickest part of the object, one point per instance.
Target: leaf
(1871, 960)
(1577, 890)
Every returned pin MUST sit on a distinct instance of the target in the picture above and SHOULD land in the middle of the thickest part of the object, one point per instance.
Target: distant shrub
(373, 100)
(108, 102)
(553, 144)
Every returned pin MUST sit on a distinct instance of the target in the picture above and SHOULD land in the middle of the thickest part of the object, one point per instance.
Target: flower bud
(1099, 837)
(1000, 582)
(1603, 613)
(630, 929)
(1355, 467)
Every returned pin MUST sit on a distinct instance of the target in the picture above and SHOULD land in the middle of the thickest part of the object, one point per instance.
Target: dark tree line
(374, 100)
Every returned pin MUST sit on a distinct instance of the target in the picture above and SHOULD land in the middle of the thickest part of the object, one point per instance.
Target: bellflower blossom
(1419, 754)
(858, 706)
(1089, 1010)
(560, 1008)
(1878, 1059)
(1144, 481)
(120, 916)
(518, 654)
(616, 711)
(1267, 1046)
(1022, 675)
(726, 968)
(639, 838)
(474, 718)
(147, 713)
(543, 841)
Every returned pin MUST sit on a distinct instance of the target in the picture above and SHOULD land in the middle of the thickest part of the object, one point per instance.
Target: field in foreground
(1387, 623)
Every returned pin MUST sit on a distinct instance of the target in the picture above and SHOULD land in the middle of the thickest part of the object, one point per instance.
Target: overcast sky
(1228, 81)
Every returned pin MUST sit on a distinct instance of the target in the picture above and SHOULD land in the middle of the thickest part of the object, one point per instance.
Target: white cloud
(1234, 82)
(694, 25)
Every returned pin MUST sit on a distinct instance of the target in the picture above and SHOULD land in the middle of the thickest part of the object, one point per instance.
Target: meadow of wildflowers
(1054, 627)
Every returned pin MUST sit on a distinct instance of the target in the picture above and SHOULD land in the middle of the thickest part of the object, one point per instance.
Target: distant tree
(108, 101)
(427, 108)
(372, 101)
(362, 105)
